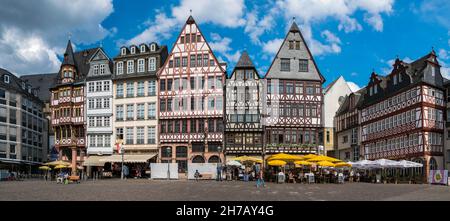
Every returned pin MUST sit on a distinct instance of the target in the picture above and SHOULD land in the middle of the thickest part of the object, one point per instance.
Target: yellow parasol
(44, 168)
(60, 166)
(58, 162)
(303, 163)
(342, 164)
(277, 163)
(285, 157)
(247, 159)
(325, 164)
(309, 156)
(324, 158)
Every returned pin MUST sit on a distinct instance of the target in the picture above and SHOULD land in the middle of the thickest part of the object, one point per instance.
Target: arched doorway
(433, 164)
(214, 159)
(198, 159)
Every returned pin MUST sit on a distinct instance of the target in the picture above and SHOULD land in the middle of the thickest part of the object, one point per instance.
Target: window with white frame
(99, 121)
(98, 86)
(107, 140)
(130, 136)
(119, 112)
(130, 111)
(133, 50)
(6, 78)
(130, 89)
(142, 48)
(140, 135)
(92, 141)
(151, 135)
(91, 87)
(91, 103)
(151, 88)
(130, 67)
(119, 90)
(152, 47)
(99, 140)
(106, 103)
(124, 51)
(152, 64)
(91, 122)
(141, 65)
(106, 86)
(102, 69)
(98, 103)
(106, 121)
(140, 89)
(151, 109)
(140, 111)
(96, 69)
(119, 68)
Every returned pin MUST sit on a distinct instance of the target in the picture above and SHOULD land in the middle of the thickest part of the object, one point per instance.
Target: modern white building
(99, 105)
(334, 95)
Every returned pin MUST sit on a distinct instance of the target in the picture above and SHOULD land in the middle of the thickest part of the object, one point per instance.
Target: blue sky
(347, 37)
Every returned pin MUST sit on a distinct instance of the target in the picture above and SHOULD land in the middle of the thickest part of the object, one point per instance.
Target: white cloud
(353, 86)
(161, 28)
(318, 48)
(342, 10)
(271, 47)
(227, 13)
(443, 54)
(222, 46)
(255, 27)
(349, 25)
(32, 33)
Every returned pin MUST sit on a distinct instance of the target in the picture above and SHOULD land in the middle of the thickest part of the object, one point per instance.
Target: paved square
(161, 190)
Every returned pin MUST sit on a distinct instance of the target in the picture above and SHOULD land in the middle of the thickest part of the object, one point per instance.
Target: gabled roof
(189, 21)
(294, 33)
(245, 61)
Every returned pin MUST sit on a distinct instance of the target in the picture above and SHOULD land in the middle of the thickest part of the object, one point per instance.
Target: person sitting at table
(291, 177)
(60, 178)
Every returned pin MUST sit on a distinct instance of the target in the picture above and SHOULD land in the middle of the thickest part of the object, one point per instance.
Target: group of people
(62, 177)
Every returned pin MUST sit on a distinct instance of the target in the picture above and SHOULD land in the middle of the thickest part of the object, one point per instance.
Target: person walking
(196, 175)
(260, 180)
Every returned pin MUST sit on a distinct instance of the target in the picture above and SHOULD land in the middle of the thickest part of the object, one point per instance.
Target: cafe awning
(94, 161)
(128, 158)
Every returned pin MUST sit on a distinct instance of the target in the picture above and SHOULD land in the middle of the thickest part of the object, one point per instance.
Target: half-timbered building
(447, 131)
(191, 101)
(348, 130)
(294, 98)
(244, 98)
(402, 116)
(68, 105)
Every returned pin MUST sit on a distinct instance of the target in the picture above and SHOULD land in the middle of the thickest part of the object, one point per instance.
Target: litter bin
(311, 178)
(280, 178)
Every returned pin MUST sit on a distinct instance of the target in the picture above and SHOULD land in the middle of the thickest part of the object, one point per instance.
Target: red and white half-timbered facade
(191, 101)
(402, 116)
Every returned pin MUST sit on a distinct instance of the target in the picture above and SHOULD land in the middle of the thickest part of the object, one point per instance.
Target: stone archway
(198, 159)
(214, 159)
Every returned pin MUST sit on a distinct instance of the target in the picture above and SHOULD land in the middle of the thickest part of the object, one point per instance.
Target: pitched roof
(245, 61)
(16, 84)
(42, 83)
(274, 70)
(68, 55)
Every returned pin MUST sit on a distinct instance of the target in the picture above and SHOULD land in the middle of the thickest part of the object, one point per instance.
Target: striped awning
(94, 160)
(128, 158)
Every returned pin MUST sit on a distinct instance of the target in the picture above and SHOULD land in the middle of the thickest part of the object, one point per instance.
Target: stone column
(74, 161)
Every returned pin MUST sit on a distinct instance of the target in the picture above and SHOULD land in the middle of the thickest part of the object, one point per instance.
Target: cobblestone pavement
(146, 190)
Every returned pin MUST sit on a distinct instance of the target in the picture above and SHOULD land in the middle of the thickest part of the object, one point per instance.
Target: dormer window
(95, 69)
(153, 47)
(133, 50)
(124, 51)
(102, 69)
(23, 85)
(400, 78)
(142, 48)
(375, 88)
(370, 91)
(6, 78)
(395, 79)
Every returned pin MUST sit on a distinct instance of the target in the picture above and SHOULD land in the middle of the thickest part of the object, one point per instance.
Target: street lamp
(168, 149)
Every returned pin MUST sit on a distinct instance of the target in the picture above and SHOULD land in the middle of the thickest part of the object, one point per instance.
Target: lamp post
(122, 151)
(168, 150)
(219, 166)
